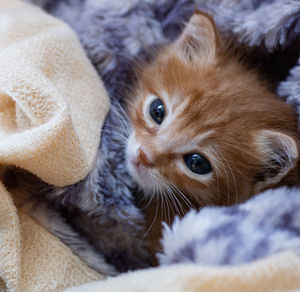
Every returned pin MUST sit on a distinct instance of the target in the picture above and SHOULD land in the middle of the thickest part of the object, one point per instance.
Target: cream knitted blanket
(52, 106)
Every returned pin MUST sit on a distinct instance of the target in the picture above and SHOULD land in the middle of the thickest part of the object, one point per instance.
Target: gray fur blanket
(115, 34)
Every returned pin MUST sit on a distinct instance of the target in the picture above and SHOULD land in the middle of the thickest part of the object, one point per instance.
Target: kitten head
(205, 125)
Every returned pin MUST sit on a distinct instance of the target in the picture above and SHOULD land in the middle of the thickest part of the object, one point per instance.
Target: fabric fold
(276, 273)
(60, 103)
(52, 106)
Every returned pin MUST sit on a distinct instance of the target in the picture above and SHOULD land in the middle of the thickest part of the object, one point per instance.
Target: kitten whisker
(121, 113)
(169, 204)
(165, 198)
(162, 202)
(233, 178)
(177, 202)
(224, 168)
(150, 200)
(238, 148)
(153, 221)
(126, 86)
(119, 110)
(184, 197)
(172, 196)
(217, 180)
(220, 195)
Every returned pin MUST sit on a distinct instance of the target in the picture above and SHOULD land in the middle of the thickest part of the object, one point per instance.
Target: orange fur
(218, 98)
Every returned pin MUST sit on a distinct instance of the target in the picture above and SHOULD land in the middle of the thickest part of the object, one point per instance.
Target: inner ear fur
(278, 154)
(199, 39)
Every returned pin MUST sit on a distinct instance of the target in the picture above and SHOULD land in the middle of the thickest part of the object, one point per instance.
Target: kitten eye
(157, 111)
(197, 163)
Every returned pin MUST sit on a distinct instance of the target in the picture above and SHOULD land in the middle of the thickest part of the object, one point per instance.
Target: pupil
(157, 111)
(197, 163)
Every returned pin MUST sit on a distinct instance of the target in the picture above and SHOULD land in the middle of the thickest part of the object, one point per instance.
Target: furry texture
(290, 88)
(271, 24)
(237, 234)
(216, 107)
(92, 204)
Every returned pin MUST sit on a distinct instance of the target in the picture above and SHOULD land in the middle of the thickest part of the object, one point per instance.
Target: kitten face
(205, 125)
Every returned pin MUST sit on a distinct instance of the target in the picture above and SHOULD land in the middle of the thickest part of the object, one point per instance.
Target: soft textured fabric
(31, 259)
(21, 239)
(258, 228)
(52, 105)
(277, 273)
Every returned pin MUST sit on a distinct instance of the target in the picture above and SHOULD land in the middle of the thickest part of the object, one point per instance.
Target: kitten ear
(279, 154)
(199, 39)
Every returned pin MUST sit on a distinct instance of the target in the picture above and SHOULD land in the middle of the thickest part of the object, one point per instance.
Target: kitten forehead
(168, 130)
(174, 110)
(174, 99)
(175, 102)
(188, 141)
(197, 140)
(174, 106)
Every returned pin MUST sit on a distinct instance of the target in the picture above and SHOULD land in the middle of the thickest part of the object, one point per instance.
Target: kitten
(207, 128)
(203, 127)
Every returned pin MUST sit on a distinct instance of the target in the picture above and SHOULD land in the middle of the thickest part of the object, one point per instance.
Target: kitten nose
(143, 159)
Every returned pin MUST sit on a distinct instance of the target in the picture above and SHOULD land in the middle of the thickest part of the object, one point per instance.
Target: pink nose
(143, 159)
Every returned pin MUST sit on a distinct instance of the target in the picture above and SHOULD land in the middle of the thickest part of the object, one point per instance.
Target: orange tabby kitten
(206, 127)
